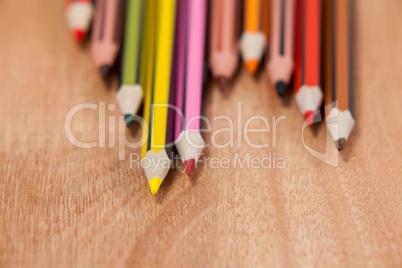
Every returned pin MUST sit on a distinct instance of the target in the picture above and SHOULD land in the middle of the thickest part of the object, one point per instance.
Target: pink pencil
(107, 33)
(190, 142)
(281, 61)
(223, 58)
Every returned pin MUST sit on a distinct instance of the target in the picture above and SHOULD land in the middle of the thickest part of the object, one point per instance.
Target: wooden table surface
(64, 206)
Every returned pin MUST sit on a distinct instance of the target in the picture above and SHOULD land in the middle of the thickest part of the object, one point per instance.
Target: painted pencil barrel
(281, 59)
(107, 33)
(253, 40)
(308, 50)
(339, 118)
(223, 58)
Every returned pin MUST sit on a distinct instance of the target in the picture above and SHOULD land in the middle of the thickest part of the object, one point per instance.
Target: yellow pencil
(147, 66)
(156, 162)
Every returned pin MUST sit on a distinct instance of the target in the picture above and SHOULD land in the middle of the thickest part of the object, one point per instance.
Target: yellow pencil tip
(154, 184)
(252, 66)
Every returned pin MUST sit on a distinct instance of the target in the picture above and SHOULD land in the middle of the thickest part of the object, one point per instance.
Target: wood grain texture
(62, 206)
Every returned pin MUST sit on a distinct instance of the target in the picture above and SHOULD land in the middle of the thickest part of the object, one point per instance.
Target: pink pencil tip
(309, 115)
(79, 35)
(189, 165)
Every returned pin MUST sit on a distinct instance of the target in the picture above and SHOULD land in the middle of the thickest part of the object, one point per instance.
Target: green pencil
(130, 94)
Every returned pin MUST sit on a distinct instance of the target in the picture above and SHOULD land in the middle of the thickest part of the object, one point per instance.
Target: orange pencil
(281, 61)
(223, 58)
(79, 15)
(307, 57)
(253, 40)
(107, 33)
(339, 118)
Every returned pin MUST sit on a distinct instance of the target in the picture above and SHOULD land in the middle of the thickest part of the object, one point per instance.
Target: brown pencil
(339, 118)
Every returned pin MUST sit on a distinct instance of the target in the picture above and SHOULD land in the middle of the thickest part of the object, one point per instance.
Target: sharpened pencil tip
(104, 71)
(340, 144)
(252, 66)
(309, 115)
(222, 81)
(189, 165)
(127, 119)
(79, 35)
(154, 185)
(280, 88)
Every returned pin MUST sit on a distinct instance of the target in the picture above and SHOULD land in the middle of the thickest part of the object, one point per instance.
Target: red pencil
(307, 57)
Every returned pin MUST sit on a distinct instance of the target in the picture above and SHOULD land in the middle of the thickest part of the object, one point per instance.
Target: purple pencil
(178, 65)
(189, 142)
(177, 76)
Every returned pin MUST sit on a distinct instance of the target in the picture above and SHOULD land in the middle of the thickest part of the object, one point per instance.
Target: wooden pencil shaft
(311, 49)
(164, 49)
(223, 57)
(224, 20)
(342, 53)
(327, 60)
(281, 60)
(132, 42)
(179, 64)
(107, 31)
(253, 15)
(195, 62)
(336, 53)
(147, 69)
(266, 19)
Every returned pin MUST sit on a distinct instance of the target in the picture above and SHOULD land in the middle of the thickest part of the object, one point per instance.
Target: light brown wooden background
(69, 207)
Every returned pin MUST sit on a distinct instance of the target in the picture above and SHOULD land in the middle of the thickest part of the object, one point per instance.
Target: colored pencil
(79, 16)
(253, 40)
(281, 62)
(147, 66)
(266, 25)
(190, 143)
(307, 57)
(176, 74)
(107, 33)
(130, 94)
(339, 118)
(179, 62)
(327, 48)
(157, 162)
(223, 58)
